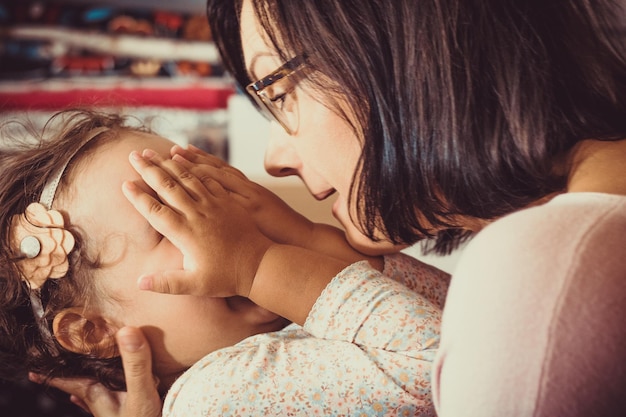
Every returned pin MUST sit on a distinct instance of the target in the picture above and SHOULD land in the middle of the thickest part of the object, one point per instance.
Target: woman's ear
(87, 335)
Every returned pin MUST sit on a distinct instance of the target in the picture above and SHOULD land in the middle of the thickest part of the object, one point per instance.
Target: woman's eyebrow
(253, 63)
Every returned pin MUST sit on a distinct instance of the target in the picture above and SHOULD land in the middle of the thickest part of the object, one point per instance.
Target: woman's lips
(324, 194)
(335, 209)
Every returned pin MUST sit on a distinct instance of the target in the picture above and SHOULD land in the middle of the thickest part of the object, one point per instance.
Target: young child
(73, 247)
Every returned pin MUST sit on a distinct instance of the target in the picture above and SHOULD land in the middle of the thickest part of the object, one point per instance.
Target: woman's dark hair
(27, 158)
(465, 107)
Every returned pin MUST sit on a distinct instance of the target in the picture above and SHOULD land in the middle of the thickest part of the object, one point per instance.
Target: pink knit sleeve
(534, 320)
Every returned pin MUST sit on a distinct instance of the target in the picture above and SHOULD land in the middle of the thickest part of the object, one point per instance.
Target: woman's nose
(281, 158)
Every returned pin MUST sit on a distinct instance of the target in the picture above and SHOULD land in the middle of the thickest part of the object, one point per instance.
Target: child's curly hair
(28, 156)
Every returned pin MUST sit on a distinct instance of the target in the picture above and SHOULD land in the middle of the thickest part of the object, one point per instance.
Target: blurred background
(152, 59)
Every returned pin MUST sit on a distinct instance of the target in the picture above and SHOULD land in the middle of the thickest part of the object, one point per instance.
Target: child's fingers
(163, 218)
(161, 182)
(241, 188)
(219, 182)
(207, 174)
(215, 187)
(170, 282)
(172, 181)
(199, 157)
(193, 186)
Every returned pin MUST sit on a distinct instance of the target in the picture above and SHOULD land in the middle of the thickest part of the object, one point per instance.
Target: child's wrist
(248, 274)
(289, 280)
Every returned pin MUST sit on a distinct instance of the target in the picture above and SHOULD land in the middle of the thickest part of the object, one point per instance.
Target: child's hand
(221, 245)
(264, 206)
(275, 218)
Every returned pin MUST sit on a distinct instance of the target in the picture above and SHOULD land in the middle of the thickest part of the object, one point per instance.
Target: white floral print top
(365, 350)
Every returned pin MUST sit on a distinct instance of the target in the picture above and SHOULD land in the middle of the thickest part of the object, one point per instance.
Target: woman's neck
(598, 166)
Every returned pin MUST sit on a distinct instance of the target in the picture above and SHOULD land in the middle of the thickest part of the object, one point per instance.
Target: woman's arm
(141, 398)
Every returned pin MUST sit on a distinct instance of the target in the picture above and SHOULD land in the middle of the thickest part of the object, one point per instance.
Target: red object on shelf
(188, 96)
(83, 64)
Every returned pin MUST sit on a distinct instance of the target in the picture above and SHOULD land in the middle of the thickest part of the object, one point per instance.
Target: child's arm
(292, 373)
(141, 398)
(368, 344)
(363, 306)
(294, 229)
(275, 218)
(422, 278)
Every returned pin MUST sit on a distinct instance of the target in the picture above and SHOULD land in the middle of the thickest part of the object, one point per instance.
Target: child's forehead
(118, 150)
(134, 138)
(93, 199)
(100, 174)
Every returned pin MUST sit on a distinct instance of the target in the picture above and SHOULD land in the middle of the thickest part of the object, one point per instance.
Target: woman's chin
(368, 247)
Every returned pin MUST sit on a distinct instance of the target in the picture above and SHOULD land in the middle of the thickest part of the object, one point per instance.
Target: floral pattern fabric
(366, 349)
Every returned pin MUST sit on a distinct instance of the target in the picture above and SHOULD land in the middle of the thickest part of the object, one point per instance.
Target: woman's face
(181, 329)
(323, 151)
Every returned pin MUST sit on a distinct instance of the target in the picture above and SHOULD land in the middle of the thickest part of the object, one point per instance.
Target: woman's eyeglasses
(273, 94)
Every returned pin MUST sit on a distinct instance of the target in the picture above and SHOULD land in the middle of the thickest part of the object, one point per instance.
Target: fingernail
(129, 186)
(144, 283)
(135, 155)
(148, 153)
(33, 377)
(129, 341)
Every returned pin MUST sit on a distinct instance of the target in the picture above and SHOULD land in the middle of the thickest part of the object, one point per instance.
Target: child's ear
(87, 335)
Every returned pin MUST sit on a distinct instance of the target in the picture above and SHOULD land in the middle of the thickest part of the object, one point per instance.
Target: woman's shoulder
(532, 286)
(566, 217)
(551, 238)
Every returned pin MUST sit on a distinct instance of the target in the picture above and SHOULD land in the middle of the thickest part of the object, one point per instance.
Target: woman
(436, 119)
(433, 118)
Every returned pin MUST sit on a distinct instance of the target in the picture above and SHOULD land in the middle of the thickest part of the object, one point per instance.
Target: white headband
(46, 199)
(50, 189)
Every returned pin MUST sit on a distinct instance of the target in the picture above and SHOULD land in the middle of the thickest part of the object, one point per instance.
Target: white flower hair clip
(44, 243)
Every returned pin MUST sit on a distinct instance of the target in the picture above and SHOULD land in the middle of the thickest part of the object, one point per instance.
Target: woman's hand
(141, 398)
(220, 242)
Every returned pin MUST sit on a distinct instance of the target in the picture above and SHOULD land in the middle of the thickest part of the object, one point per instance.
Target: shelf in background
(192, 93)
